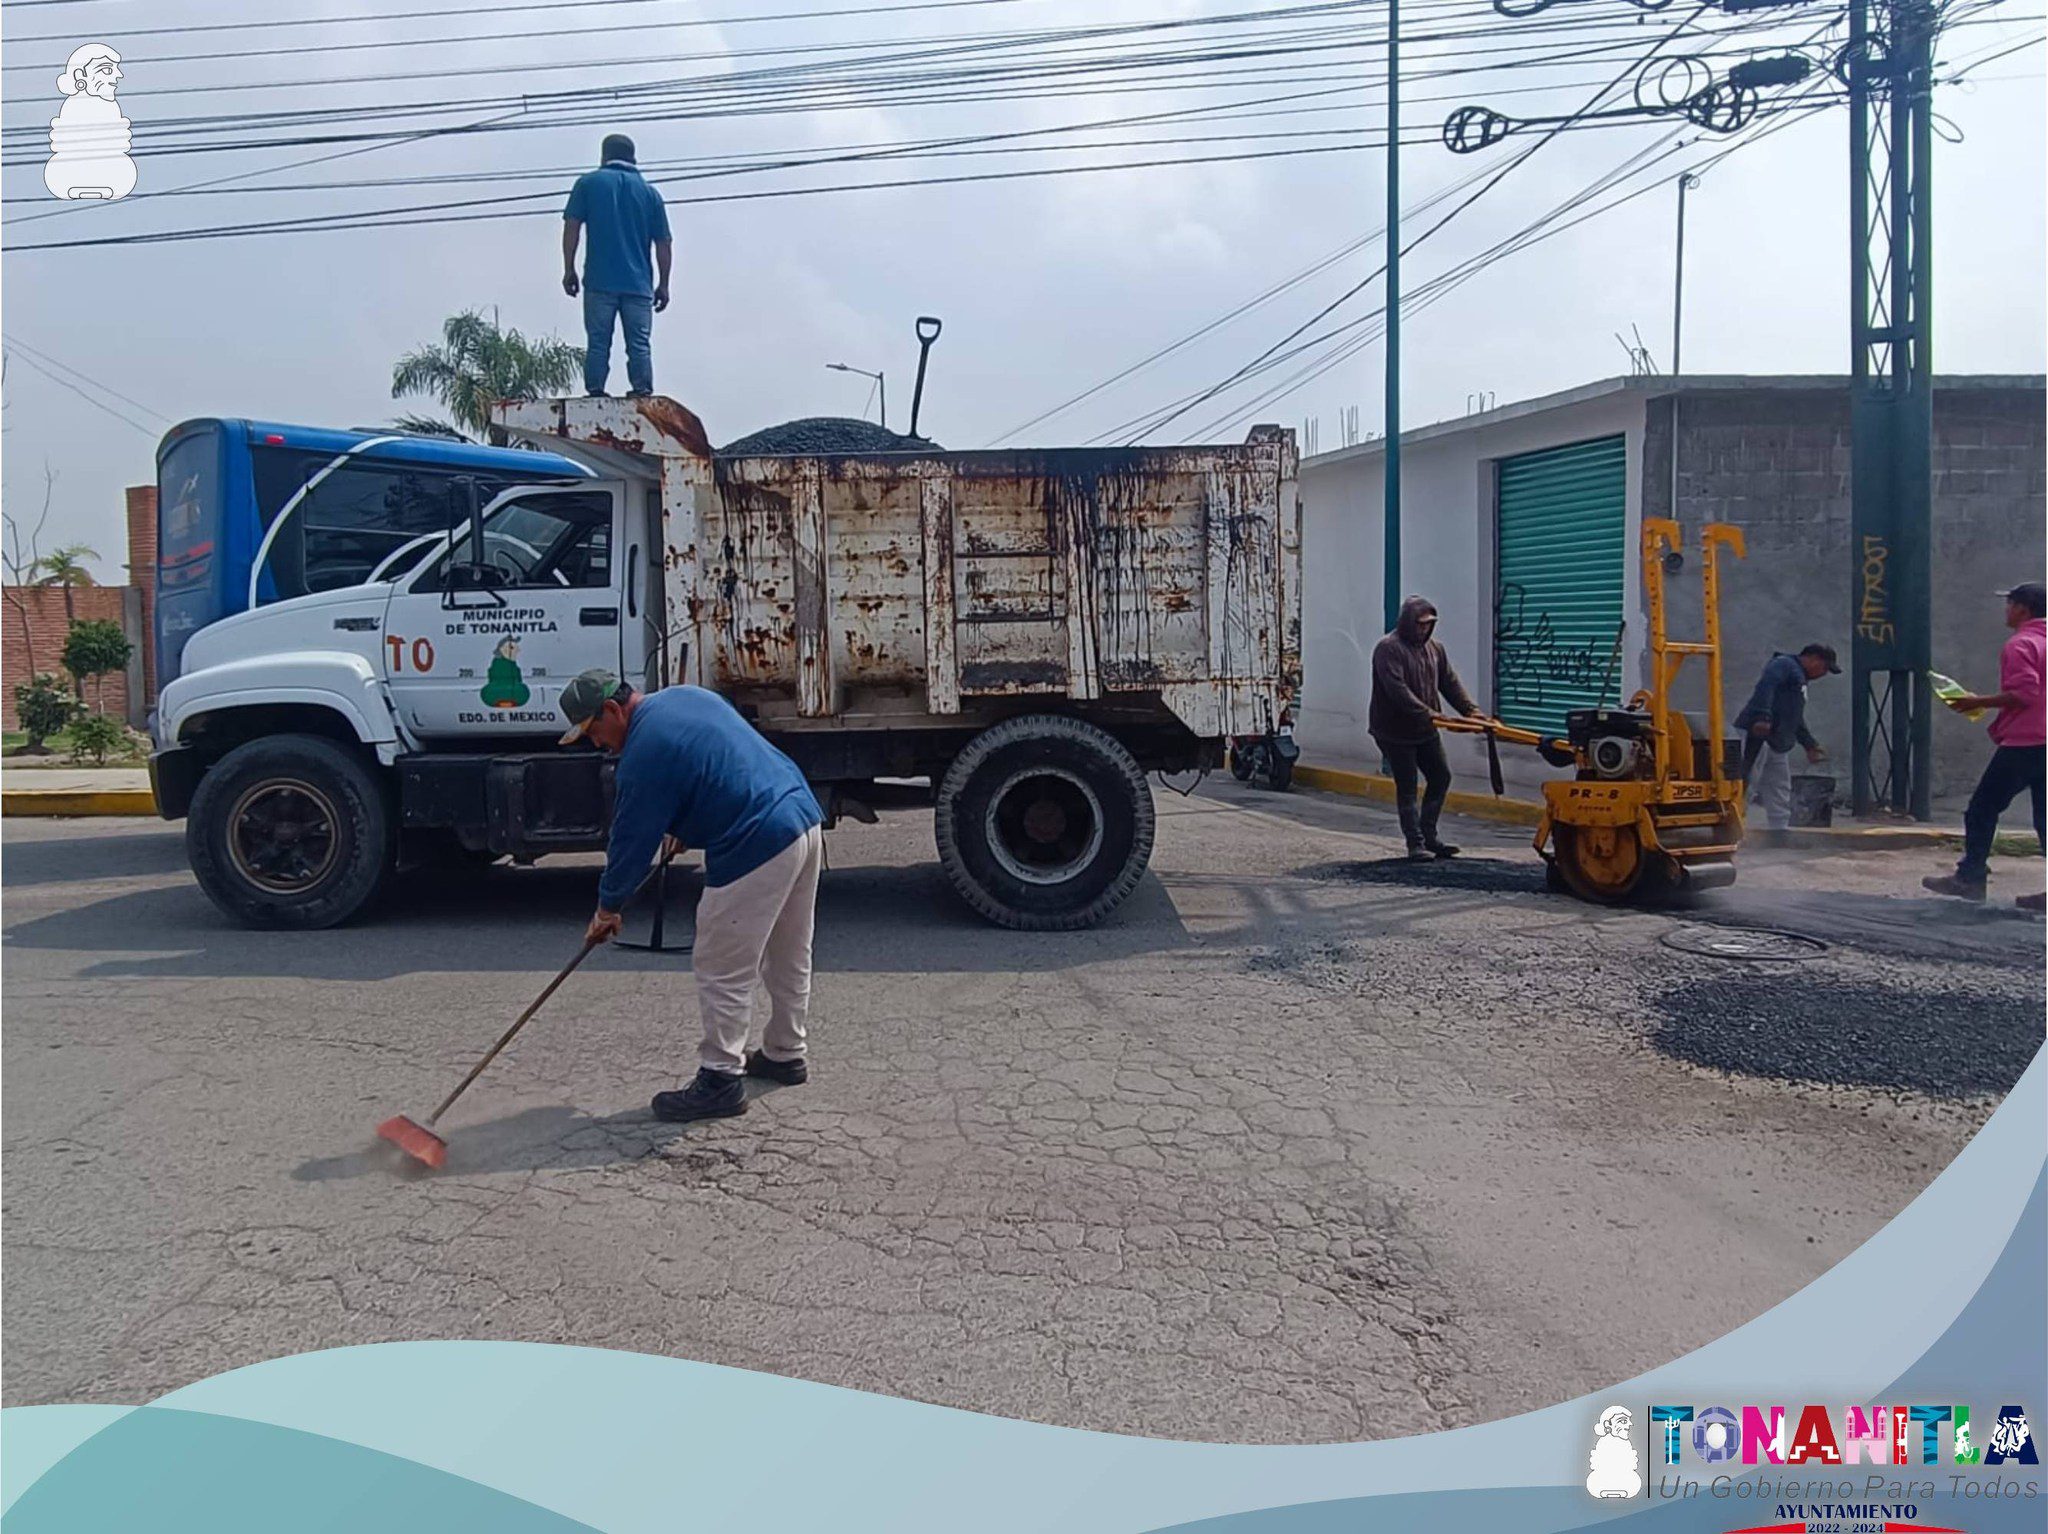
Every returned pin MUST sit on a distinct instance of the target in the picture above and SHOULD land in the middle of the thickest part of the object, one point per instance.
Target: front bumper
(173, 777)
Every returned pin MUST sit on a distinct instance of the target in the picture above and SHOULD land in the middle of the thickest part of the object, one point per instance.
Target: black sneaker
(791, 1073)
(1420, 854)
(1954, 884)
(1441, 849)
(711, 1095)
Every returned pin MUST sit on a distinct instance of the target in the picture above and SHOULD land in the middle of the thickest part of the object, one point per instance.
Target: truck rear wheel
(1044, 823)
(289, 831)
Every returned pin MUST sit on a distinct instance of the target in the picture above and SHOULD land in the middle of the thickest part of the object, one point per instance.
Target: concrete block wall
(1775, 462)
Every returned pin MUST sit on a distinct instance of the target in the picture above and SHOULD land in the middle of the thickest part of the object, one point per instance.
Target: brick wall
(142, 576)
(45, 625)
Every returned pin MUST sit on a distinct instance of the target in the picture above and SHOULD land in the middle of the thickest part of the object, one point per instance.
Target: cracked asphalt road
(1302, 1146)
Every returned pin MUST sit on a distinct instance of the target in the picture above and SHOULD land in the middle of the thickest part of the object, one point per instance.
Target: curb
(1526, 812)
(1370, 785)
(77, 801)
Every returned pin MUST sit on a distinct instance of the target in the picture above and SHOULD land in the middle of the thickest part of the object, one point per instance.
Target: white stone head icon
(1615, 1470)
(89, 137)
(94, 69)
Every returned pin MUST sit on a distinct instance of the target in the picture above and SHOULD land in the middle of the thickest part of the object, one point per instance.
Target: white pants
(758, 928)
(1770, 787)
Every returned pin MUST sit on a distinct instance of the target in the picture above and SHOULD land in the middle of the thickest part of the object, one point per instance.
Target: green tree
(44, 708)
(95, 735)
(94, 647)
(477, 363)
(65, 567)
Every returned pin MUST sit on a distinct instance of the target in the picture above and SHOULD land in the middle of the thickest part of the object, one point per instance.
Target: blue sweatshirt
(694, 769)
(1780, 697)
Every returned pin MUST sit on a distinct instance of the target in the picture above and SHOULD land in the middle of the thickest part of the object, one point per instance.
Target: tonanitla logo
(1820, 1437)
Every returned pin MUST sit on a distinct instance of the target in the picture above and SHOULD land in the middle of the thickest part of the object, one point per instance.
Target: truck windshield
(543, 540)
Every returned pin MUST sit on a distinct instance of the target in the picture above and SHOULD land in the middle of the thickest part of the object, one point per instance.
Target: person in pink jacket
(2019, 732)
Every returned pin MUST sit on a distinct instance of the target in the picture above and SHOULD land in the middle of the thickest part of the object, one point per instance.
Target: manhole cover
(1743, 943)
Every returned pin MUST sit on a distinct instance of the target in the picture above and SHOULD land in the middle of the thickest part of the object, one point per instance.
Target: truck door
(481, 648)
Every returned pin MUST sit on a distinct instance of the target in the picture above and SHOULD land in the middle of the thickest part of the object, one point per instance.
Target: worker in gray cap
(692, 773)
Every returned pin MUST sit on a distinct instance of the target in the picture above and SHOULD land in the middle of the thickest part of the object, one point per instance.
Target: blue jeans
(635, 314)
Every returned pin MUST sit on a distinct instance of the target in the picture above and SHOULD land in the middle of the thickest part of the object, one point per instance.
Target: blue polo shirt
(694, 769)
(622, 219)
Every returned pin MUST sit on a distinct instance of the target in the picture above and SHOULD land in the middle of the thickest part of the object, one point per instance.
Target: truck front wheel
(289, 831)
(1044, 823)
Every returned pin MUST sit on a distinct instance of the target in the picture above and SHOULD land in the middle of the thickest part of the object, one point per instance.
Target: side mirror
(471, 586)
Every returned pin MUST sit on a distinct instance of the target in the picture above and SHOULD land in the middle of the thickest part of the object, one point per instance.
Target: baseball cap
(2029, 594)
(1827, 656)
(584, 698)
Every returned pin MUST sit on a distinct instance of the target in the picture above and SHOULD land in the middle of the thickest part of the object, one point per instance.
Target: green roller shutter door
(1557, 597)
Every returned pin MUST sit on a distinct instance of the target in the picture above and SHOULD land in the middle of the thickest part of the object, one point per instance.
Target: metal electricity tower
(1390, 461)
(1888, 67)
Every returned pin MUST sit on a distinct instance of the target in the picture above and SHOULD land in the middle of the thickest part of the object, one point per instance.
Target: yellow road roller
(1652, 809)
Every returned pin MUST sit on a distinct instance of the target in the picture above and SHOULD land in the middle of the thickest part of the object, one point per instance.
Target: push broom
(419, 1140)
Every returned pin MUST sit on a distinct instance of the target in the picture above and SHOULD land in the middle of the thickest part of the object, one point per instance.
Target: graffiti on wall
(1530, 657)
(1874, 612)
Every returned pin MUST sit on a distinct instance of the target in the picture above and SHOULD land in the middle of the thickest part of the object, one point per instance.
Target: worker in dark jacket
(691, 772)
(1411, 681)
(1773, 721)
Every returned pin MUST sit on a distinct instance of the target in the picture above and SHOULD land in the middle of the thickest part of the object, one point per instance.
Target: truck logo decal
(504, 687)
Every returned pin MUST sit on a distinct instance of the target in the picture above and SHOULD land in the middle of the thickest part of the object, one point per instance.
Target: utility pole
(1686, 183)
(1889, 62)
(1391, 460)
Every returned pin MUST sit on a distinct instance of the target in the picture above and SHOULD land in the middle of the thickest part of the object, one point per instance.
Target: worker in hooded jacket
(1412, 679)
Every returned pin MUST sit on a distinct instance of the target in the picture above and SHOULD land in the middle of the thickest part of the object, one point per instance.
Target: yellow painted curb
(77, 801)
(1370, 785)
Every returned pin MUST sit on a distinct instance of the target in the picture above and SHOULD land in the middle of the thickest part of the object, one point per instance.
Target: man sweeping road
(693, 773)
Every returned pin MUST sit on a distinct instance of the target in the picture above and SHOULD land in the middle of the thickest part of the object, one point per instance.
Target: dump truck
(1030, 632)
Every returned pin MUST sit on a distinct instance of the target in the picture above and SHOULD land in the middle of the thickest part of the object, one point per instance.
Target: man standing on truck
(692, 773)
(1411, 676)
(1773, 721)
(626, 219)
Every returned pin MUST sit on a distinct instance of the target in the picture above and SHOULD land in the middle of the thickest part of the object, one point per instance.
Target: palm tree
(477, 364)
(65, 567)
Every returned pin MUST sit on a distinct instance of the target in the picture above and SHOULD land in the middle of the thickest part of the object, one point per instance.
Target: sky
(1048, 285)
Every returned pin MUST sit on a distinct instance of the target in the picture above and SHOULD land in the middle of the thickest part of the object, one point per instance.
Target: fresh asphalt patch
(1505, 876)
(1946, 1037)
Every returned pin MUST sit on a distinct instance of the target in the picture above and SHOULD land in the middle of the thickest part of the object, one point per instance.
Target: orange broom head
(419, 1143)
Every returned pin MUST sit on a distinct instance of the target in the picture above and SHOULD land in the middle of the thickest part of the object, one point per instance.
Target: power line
(38, 352)
(557, 7)
(803, 87)
(1519, 160)
(401, 218)
(63, 383)
(1795, 109)
(848, 70)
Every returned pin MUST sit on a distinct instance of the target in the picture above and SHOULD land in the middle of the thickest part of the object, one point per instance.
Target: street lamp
(881, 385)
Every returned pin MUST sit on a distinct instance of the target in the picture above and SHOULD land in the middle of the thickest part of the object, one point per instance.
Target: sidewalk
(75, 791)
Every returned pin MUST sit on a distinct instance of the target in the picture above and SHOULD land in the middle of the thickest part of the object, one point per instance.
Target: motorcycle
(1269, 757)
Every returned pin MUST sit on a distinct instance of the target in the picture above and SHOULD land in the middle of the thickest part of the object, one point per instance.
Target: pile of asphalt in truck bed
(825, 434)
